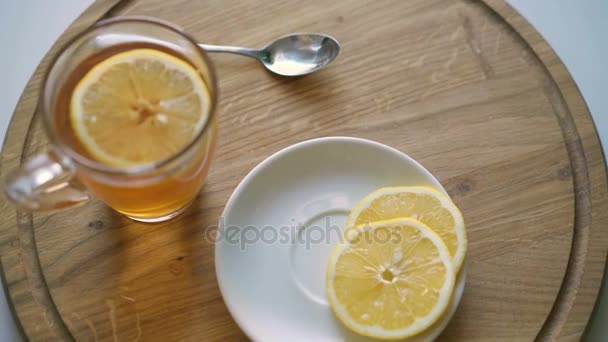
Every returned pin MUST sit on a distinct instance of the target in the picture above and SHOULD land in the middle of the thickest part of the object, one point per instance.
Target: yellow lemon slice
(427, 205)
(138, 107)
(390, 279)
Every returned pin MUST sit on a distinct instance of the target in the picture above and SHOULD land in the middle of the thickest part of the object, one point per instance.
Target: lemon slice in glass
(138, 107)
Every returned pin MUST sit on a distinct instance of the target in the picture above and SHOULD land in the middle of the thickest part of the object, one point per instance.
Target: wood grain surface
(468, 88)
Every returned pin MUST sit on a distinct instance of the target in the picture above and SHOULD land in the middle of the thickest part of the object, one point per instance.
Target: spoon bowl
(300, 54)
(291, 55)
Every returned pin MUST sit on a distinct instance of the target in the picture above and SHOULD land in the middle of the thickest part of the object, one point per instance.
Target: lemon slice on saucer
(427, 205)
(390, 279)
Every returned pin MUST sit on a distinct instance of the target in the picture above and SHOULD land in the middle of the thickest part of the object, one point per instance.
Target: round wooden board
(467, 88)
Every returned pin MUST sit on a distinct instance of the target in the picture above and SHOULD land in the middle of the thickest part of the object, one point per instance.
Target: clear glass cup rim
(93, 165)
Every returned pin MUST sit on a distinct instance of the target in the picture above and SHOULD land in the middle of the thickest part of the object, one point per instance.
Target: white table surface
(576, 29)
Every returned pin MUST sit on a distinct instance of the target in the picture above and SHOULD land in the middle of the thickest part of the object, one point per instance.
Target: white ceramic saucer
(281, 223)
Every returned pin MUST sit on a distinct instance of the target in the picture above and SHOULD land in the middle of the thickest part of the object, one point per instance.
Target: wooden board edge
(582, 281)
(21, 276)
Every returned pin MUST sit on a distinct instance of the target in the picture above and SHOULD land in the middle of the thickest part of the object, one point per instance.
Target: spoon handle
(231, 49)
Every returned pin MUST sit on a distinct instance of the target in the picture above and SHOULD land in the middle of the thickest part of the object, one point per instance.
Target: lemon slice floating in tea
(138, 107)
(427, 205)
(390, 279)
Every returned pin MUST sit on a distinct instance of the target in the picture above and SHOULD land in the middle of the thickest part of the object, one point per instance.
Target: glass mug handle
(45, 182)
